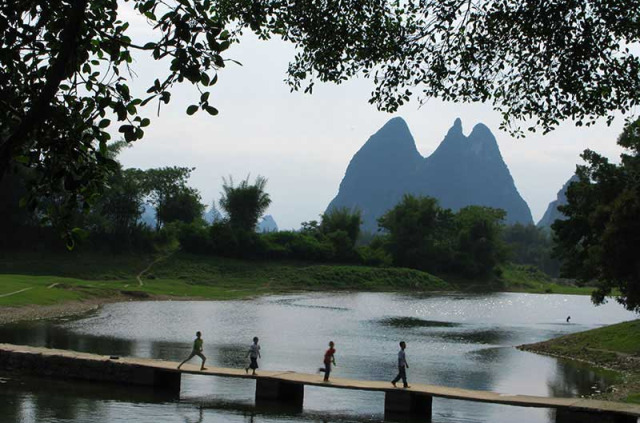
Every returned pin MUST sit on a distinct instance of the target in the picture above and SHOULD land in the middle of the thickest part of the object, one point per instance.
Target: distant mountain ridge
(462, 171)
(552, 213)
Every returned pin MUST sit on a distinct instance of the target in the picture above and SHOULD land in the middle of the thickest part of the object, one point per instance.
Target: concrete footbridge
(288, 387)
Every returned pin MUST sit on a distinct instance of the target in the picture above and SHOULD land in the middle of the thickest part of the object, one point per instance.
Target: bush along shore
(615, 347)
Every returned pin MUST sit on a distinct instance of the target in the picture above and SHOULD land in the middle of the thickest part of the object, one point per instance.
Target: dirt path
(157, 260)
(16, 292)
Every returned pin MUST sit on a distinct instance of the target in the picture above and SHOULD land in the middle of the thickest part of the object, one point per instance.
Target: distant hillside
(212, 215)
(552, 213)
(148, 216)
(462, 171)
(267, 224)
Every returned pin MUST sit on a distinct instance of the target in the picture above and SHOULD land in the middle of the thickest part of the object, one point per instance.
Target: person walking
(253, 354)
(329, 359)
(402, 366)
(197, 350)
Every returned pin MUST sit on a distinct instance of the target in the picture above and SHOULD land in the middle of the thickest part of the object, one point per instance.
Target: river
(458, 340)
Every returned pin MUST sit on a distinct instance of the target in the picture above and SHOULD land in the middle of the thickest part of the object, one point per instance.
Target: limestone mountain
(461, 172)
(552, 214)
(267, 224)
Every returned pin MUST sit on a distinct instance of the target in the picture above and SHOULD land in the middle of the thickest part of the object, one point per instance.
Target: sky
(303, 143)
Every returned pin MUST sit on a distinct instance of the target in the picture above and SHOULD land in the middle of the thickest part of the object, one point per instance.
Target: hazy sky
(303, 143)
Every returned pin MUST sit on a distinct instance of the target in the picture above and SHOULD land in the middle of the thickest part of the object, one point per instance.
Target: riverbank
(34, 286)
(615, 347)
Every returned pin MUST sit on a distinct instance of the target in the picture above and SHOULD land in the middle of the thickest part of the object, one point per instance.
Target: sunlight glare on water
(457, 340)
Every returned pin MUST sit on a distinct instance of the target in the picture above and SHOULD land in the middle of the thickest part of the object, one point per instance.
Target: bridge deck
(573, 404)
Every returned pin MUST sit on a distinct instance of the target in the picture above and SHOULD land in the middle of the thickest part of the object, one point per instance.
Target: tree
(600, 239)
(65, 64)
(531, 245)
(420, 233)
(342, 219)
(122, 202)
(341, 227)
(183, 206)
(245, 203)
(169, 185)
(535, 62)
(480, 248)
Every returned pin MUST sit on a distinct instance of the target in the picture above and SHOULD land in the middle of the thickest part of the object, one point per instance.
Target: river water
(457, 340)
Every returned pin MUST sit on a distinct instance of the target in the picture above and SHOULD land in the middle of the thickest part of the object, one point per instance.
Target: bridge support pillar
(278, 391)
(402, 403)
(167, 381)
(570, 416)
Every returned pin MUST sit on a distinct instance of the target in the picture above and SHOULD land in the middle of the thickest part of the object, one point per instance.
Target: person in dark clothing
(402, 366)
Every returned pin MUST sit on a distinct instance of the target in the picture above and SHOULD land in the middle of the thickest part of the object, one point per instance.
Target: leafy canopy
(420, 233)
(600, 239)
(67, 65)
(423, 235)
(342, 219)
(245, 203)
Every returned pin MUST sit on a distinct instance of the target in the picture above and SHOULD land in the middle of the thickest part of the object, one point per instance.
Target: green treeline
(417, 233)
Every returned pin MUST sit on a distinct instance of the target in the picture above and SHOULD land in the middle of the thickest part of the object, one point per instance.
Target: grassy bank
(522, 278)
(615, 347)
(44, 280)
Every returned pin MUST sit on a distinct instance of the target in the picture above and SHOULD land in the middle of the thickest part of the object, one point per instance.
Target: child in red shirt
(328, 360)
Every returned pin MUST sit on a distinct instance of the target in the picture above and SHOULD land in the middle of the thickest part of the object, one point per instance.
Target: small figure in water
(197, 350)
(402, 366)
(328, 360)
(568, 318)
(253, 354)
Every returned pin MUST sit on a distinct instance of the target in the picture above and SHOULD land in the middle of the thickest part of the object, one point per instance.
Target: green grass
(633, 398)
(520, 278)
(57, 278)
(620, 338)
(43, 290)
(81, 275)
(616, 347)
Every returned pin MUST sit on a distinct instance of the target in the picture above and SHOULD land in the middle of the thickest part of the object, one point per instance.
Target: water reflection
(453, 340)
(413, 322)
(54, 334)
(27, 399)
(575, 379)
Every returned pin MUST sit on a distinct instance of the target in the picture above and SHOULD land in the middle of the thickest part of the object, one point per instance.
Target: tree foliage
(540, 62)
(66, 67)
(121, 205)
(342, 219)
(531, 245)
(600, 239)
(245, 203)
(183, 206)
(67, 64)
(165, 188)
(480, 248)
(420, 233)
